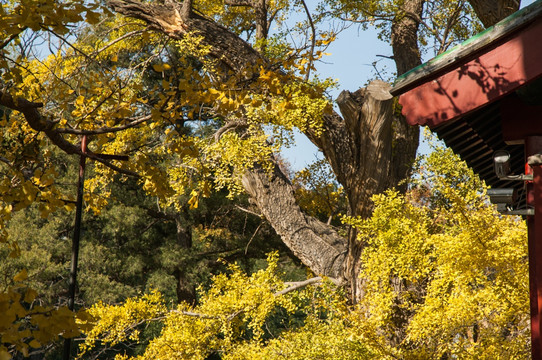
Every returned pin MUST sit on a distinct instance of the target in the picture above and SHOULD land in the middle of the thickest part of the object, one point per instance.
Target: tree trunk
(186, 290)
(369, 148)
(404, 36)
(315, 243)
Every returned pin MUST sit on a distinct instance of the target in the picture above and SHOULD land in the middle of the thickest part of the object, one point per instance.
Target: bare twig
(105, 130)
(127, 35)
(432, 30)
(449, 26)
(77, 50)
(313, 41)
(198, 315)
(252, 237)
(248, 211)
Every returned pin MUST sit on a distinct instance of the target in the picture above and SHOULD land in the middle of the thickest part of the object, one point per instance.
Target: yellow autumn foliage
(444, 275)
(26, 325)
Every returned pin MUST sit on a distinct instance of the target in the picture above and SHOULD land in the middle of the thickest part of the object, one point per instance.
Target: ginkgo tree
(134, 76)
(96, 82)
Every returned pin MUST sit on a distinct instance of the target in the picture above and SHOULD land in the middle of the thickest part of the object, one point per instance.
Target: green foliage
(26, 325)
(130, 247)
(133, 245)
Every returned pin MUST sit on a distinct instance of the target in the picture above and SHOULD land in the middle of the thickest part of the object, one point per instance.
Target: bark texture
(404, 36)
(491, 12)
(177, 19)
(315, 243)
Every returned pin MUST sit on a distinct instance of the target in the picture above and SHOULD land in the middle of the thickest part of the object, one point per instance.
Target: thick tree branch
(174, 20)
(317, 245)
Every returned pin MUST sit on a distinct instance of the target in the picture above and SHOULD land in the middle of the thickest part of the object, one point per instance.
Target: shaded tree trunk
(185, 289)
(491, 12)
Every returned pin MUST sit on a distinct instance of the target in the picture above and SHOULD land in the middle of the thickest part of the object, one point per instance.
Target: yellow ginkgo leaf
(35, 344)
(21, 276)
(193, 202)
(158, 67)
(30, 296)
(4, 355)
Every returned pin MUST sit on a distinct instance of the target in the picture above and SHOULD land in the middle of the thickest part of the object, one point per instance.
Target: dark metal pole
(76, 238)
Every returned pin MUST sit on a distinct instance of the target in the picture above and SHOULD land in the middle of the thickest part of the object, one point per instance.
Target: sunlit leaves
(240, 19)
(113, 73)
(234, 318)
(116, 324)
(237, 305)
(25, 324)
(43, 14)
(444, 275)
